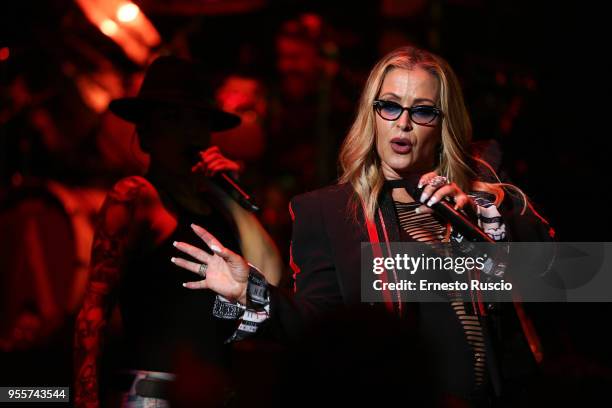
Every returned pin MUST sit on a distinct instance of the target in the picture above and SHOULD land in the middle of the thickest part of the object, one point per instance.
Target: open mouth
(401, 146)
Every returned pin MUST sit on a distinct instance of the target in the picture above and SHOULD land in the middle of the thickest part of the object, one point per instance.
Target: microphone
(231, 186)
(228, 184)
(459, 221)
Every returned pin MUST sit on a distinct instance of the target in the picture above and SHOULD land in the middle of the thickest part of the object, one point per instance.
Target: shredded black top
(425, 227)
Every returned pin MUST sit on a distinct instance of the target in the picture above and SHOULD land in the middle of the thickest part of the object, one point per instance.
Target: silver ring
(202, 270)
(438, 181)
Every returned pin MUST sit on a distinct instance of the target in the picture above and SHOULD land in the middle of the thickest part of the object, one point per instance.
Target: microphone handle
(229, 184)
(458, 220)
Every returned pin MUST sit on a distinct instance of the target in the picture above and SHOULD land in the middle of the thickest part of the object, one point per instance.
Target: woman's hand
(438, 187)
(212, 162)
(224, 272)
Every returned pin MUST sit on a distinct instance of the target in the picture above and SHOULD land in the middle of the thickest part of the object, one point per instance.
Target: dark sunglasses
(420, 114)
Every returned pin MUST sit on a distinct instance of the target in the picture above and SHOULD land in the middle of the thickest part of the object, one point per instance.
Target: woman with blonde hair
(411, 128)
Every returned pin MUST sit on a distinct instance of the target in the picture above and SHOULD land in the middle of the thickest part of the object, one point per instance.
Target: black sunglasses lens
(389, 110)
(423, 114)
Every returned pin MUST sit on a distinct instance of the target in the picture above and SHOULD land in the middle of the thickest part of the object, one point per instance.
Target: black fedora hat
(172, 81)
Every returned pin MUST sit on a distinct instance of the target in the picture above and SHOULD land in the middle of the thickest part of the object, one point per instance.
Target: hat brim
(135, 110)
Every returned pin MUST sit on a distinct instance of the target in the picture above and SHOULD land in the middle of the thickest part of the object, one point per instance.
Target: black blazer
(326, 260)
(325, 249)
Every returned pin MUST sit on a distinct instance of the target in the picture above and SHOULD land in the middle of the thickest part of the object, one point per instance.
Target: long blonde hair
(358, 156)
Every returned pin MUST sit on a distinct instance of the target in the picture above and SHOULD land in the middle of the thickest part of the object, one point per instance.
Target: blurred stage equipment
(124, 23)
(201, 7)
(47, 233)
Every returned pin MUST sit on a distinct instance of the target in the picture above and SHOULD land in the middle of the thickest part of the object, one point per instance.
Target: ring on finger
(438, 181)
(202, 270)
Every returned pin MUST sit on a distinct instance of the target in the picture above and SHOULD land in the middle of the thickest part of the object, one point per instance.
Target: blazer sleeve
(316, 289)
(524, 223)
(286, 314)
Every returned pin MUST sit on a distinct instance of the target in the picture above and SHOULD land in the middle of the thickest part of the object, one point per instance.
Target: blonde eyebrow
(391, 94)
(415, 102)
(419, 100)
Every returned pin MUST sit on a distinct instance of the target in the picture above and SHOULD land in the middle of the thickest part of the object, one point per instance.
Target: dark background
(535, 77)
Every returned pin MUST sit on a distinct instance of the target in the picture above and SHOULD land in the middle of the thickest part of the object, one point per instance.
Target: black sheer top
(453, 330)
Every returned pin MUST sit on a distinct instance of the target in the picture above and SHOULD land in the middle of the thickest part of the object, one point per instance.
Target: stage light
(127, 12)
(4, 53)
(124, 23)
(109, 27)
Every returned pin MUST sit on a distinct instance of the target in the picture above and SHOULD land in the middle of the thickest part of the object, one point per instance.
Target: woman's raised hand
(224, 272)
(436, 188)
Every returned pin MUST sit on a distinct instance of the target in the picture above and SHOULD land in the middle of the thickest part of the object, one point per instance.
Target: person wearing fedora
(167, 329)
